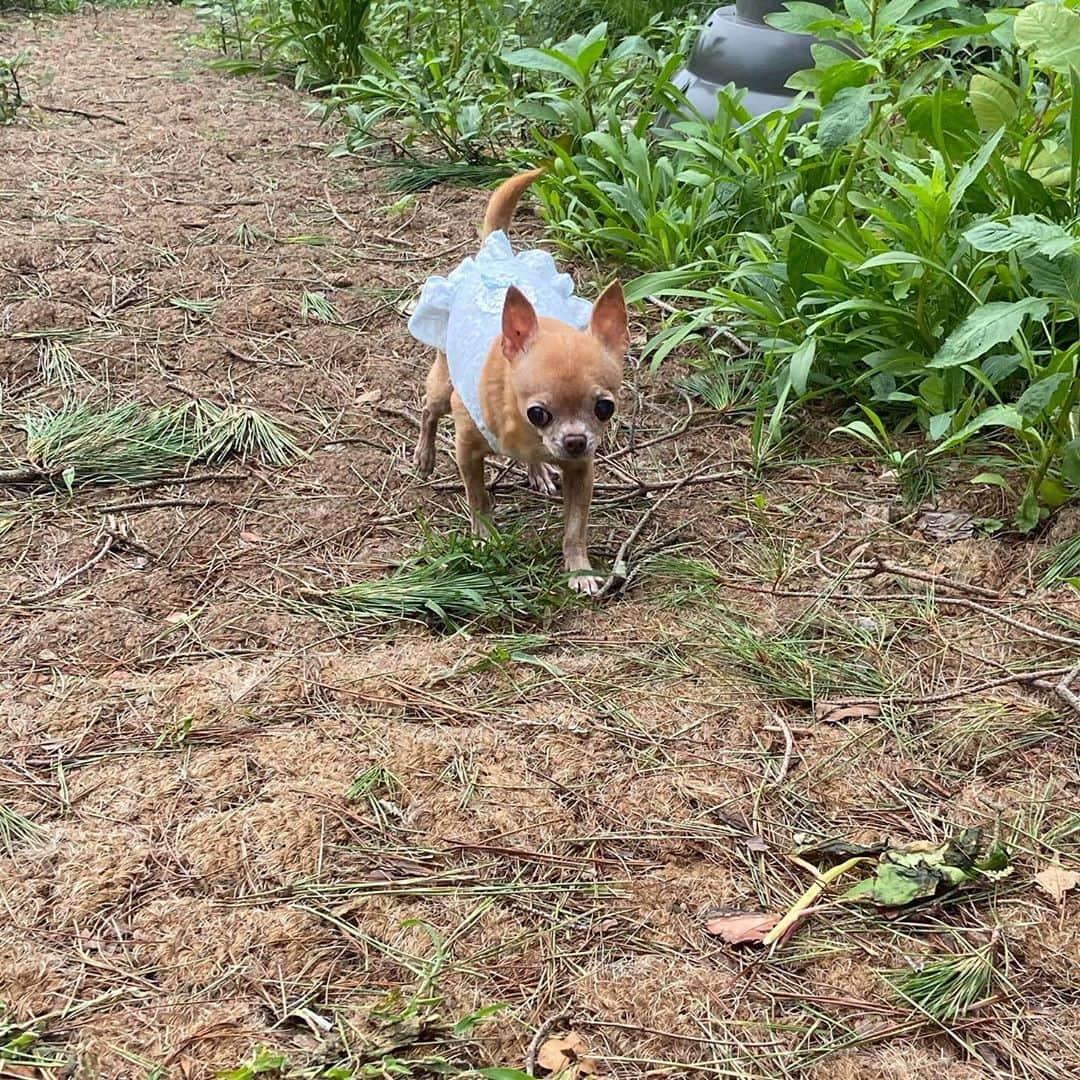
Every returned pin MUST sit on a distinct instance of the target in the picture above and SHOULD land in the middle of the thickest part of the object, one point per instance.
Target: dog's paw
(424, 459)
(544, 478)
(586, 583)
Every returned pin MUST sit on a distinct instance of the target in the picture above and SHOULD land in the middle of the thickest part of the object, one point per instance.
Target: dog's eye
(538, 416)
(605, 408)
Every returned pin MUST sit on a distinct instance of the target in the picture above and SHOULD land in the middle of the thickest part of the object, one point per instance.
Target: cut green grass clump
(947, 986)
(412, 175)
(79, 444)
(454, 582)
(233, 431)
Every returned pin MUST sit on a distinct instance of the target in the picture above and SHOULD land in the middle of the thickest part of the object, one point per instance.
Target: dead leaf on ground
(564, 1055)
(252, 538)
(947, 524)
(741, 927)
(835, 712)
(1057, 881)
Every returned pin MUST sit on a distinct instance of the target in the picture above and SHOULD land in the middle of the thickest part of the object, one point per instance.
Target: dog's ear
(519, 325)
(608, 322)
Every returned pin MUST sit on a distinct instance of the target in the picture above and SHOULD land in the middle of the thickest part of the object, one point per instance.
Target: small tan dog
(541, 391)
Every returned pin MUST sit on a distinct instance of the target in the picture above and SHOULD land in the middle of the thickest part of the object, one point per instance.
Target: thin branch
(104, 548)
(83, 113)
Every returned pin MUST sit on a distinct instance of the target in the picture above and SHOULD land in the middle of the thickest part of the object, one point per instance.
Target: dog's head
(566, 381)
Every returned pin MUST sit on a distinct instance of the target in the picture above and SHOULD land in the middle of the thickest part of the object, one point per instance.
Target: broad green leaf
(1050, 166)
(996, 416)
(993, 104)
(1029, 513)
(503, 1074)
(939, 425)
(1034, 401)
(996, 479)
(999, 366)
(802, 360)
(1052, 493)
(802, 18)
(1074, 131)
(1070, 463)
(1056, 279)
(845, 118)
(985, 327)
(892, 258)
(838, 76)
(1023, 233)
(1051, 33)
(544, 60)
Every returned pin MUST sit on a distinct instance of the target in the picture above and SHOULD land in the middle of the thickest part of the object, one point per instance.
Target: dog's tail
(501, 205)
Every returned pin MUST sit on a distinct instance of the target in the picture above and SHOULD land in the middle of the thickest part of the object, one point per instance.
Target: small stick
(157, 504)
(333, 209)
(102, 551)
(1035, 677)
(883, 566)
(27, 476)
(542, 1032)
(1063, 688)
(620, 569)
(789, 749)
(81, 112)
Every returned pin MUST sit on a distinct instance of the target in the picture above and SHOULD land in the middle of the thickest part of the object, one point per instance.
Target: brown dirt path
(197, 880)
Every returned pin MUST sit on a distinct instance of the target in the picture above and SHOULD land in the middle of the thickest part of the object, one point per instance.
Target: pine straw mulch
(226, 824)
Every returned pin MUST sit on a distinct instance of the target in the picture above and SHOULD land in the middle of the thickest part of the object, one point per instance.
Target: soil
(543, 824)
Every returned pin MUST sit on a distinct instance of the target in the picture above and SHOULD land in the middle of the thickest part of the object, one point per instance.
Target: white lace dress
(461, 314)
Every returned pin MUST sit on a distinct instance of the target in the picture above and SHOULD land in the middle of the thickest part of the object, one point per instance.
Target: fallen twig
(1036, 678)
(83, 113)
(883, 566)
(109, 540)
(620, 569)
(1063, 689)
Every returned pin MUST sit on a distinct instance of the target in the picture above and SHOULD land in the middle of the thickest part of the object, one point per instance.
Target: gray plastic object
(737, 46)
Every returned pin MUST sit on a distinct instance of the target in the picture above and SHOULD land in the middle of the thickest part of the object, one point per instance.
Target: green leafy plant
(11, 95)
(316, 42)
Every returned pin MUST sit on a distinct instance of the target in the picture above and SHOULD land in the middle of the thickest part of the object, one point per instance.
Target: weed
(11, 96)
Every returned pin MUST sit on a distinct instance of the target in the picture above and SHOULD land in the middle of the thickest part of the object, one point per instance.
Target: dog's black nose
(575, 445)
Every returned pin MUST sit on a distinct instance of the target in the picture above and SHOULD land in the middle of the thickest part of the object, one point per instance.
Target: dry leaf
(252, 537)
(834, 712)
(740, 927)
(947, 524)
(565, 1056)
(1057, 881)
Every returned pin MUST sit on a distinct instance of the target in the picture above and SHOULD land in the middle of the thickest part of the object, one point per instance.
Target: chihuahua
(529, 370)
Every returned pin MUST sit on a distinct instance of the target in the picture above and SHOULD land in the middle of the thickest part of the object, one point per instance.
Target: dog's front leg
(471, 450)
(577, 488)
